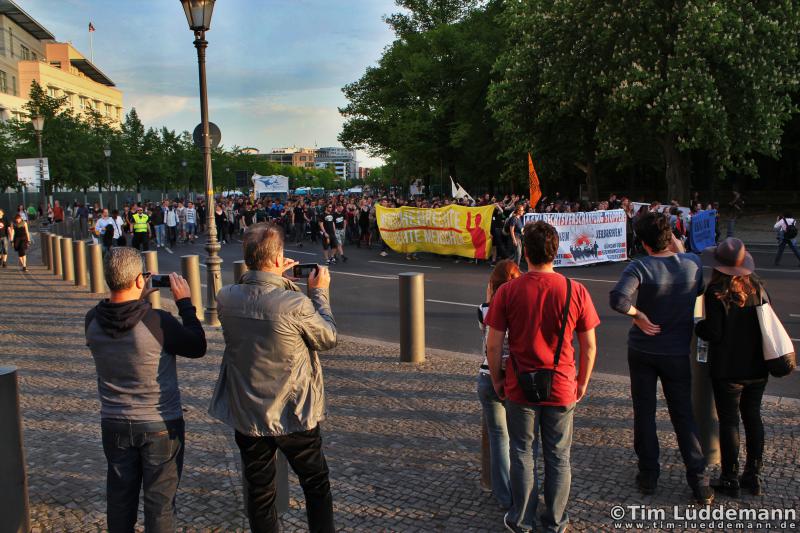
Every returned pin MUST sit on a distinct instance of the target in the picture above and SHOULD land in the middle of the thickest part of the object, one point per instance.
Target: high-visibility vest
(140, 221)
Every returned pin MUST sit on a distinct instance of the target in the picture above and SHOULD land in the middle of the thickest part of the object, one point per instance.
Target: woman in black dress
(21, 238)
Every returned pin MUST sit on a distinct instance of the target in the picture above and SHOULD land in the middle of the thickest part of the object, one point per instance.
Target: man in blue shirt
(668, 282)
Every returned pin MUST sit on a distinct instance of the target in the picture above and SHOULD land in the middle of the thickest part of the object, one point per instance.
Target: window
(34, 57)
(25, 51)
(3, 82)
(52, 92)
(70, 100)
(14, 85)
(85, 103)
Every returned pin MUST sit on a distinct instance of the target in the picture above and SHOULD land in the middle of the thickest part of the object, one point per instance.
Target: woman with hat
(736, 360)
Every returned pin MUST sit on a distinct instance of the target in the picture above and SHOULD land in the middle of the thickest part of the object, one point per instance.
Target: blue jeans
(148, 454)
(783, 242)
(676, 380)
(494, 412)
(527, 426)
(161, 231)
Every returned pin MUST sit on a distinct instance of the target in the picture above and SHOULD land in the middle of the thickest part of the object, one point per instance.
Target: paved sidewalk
(402, 441)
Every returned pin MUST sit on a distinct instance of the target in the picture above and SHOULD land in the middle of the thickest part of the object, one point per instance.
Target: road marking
(450, 303)
(597, 280)
(795, 316)
(297, 252)
(363, 275)
(402, 264)
(795, 271)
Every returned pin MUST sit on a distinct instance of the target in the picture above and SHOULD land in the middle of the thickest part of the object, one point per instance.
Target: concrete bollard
(13, 478)
(57, 256)
(96, 269)
(51, 260)
(190, 266)
(67, 264)
(239, 268)
(151, 265)
(412, 317)
(79, 258)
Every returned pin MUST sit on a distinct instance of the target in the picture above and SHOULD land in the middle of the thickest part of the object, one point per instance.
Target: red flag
(533, 183)
(91, 27)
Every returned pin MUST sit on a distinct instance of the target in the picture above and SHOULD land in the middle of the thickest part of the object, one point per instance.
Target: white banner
(270, 184)
(587, 237)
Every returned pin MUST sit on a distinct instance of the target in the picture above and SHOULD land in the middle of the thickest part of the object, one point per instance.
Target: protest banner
(587, 237)
(703, 230)
(449, 230)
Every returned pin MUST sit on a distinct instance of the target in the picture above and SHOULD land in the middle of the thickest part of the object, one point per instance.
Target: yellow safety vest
(140, 223)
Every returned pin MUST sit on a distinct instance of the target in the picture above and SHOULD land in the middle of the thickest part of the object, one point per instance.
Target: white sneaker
(383, 254)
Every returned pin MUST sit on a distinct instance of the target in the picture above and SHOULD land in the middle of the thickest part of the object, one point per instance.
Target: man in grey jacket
(270, 388)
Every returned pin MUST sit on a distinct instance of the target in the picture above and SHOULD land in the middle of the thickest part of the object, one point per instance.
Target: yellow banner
(450, 230)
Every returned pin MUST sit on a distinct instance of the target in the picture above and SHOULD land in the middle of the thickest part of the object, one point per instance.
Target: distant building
(291, 156)
(341, 160)
(363, 172)
(28, 52)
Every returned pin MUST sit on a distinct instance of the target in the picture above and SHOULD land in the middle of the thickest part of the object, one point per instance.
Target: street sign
(213, 131)
(29, 171)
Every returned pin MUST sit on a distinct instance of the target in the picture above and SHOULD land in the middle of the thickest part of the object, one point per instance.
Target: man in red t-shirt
(58, 212)
(531, 309)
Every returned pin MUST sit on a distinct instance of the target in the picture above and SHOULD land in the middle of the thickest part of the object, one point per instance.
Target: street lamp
(198, 15)
(38, 126)
(107, 153)
(188, 180)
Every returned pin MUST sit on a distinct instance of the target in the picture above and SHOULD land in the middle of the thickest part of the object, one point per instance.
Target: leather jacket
(270, 380)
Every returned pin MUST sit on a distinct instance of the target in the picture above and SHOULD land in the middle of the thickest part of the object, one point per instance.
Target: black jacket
(734, 338)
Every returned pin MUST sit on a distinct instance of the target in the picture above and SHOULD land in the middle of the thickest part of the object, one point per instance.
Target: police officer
(141, 230)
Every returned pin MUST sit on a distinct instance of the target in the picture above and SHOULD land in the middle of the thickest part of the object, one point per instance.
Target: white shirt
(781, 224)
(102, 226)
(171, 218)
(191, 215)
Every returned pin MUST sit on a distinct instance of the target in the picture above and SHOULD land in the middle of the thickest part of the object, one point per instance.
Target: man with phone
(134, 348)
(270, 388)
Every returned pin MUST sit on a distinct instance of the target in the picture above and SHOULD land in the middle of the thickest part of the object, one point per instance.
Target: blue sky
(275, 67)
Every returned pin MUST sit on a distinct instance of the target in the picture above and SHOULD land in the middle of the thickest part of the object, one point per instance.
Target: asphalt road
(364, 294)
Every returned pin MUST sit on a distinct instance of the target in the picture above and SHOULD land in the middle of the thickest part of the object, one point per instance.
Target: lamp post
(188, 180)
(38, 126)
(198, 15)
(107, 153)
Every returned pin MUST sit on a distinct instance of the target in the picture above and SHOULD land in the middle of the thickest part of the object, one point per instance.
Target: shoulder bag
(777, 345)
(537, 384)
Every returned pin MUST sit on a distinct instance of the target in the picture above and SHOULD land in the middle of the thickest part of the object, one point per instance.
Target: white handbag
(777, 345)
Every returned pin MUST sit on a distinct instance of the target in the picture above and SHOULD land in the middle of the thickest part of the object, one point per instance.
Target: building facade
(29, 52)
(341, 160)
(291, 156)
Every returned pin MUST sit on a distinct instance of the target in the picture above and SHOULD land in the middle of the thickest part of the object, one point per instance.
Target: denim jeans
(732, 397)
(783, 242)
(527, 426)
(494, 412)
(161, 231)
(303, 451)
(142, 454)
(676, 380)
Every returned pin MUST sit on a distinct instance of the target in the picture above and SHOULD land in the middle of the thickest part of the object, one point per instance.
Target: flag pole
(91, 47)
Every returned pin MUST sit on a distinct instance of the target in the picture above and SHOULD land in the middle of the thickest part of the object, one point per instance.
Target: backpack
(791, 230)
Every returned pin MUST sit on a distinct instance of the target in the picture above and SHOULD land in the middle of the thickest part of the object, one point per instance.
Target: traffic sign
(32, 171)
(213, 132)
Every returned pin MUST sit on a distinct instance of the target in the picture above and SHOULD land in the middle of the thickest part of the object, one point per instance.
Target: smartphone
(304, 269)
(159, 281)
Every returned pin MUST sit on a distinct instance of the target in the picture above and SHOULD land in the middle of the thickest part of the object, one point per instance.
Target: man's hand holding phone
(319, 278)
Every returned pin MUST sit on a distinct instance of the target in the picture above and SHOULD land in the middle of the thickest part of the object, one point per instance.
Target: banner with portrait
(587, 237)
(449, 230)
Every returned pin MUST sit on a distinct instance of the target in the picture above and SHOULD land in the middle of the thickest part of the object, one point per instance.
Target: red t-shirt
(530, 308)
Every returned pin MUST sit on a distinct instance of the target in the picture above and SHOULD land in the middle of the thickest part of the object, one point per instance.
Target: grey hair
(121, 266)
(262, 245)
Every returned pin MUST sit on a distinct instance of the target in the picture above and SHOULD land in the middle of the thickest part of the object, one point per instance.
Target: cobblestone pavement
(402, 441)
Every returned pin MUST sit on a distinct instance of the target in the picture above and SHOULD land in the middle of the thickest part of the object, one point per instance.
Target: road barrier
(79, 260)
(14, 508)
(239, 268)
(67, 265)
(96, 269)
(412, 317)
(56, 255)
(190, 266)
(151, 265)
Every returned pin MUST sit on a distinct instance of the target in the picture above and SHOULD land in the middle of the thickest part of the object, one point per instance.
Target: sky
(275, 67)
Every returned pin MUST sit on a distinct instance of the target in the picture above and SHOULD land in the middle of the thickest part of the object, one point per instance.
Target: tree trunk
(678, 165)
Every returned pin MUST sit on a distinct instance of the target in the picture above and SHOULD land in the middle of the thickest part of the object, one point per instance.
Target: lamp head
(107, 151)
(38, 123)
(198, 13)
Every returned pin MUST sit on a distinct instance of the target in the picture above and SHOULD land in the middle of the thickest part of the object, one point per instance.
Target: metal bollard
(51, 266)
(57, 256)
(96, 269)
(67, 265)
(412, 317)
(44, 238)
(151, 265)
(79, 257)
(190, 266)
(239, 268)
(13, 478)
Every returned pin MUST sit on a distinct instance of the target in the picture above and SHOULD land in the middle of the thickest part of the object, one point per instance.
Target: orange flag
(533, 182)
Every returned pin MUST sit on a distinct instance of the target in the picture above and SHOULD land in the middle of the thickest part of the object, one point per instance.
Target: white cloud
(154, 108)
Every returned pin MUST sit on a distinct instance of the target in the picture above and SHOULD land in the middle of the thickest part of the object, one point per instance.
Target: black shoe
(727, 486)
(344, 258)
(647, 483)
(703, 494)
(752, 483)
(24, 269)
